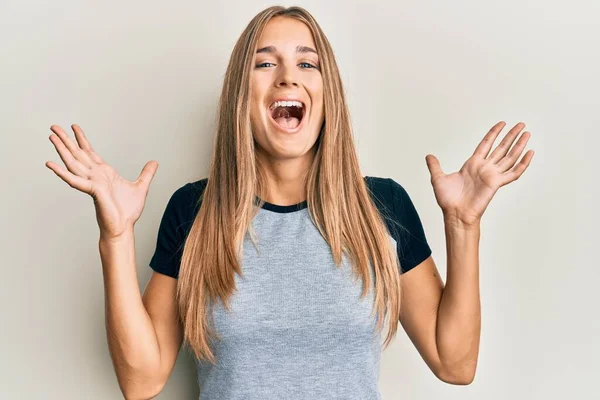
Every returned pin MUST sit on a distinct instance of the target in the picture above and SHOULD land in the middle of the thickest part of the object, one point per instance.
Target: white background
(143, 78)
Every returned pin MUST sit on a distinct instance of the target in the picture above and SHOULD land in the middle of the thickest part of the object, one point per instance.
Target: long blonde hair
(339, 202)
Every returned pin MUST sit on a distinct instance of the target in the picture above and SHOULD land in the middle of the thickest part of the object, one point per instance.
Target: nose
(286, 78)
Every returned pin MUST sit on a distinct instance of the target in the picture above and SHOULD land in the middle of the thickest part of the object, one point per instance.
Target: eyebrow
(299, 49)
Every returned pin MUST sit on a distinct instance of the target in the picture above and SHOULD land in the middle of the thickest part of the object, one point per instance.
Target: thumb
(433, 165)
(147, 173)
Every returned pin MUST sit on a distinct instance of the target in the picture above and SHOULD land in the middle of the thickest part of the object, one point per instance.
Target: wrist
(453, 221)
(125, 236)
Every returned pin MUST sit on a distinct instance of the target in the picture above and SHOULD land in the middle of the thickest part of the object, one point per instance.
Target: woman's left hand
(464, 195)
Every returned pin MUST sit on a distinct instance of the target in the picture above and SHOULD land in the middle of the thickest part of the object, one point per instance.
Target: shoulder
(188, 195)
(388, 195)
(394, 204)
(386, 189)
(184, 203)
(194, 191)
(379, 186)
(176, 221)
(402, 220)
(198, 186)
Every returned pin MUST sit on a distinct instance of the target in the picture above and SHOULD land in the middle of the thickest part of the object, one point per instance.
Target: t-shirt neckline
(283, 209)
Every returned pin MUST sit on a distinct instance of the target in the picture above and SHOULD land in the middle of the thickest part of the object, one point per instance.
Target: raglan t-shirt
(297, 327)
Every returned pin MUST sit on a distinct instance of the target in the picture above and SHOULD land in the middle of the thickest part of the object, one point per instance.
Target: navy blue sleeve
(171, 234)
(410, 236)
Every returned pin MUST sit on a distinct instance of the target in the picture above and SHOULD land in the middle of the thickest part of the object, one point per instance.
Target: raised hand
(464, 195)
(118, 202)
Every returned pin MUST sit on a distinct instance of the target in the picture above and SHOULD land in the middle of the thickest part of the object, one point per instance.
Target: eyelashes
(261, 65)
(310, 65)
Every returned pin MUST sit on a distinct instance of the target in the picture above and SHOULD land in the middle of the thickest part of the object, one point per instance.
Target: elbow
(142, 391)
(140, 394)
(460, 380)
(458, 376)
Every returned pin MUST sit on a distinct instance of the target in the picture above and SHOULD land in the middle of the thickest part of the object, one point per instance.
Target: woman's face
(286, 68)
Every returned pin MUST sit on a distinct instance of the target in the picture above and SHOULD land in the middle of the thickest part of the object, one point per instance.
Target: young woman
(280, 269)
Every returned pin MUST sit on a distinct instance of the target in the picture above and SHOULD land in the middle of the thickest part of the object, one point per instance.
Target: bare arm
(444, 321)
(159, 300)
(144, 336)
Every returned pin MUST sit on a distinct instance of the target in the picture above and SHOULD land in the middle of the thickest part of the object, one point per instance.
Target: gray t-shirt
(297, 327)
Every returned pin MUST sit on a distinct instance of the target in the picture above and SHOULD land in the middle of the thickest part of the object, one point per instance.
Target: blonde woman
(280, 269)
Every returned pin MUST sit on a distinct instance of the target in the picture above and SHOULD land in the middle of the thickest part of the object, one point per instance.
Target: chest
(292, 293)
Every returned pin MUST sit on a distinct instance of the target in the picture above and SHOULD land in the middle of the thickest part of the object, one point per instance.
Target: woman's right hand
(119, 202)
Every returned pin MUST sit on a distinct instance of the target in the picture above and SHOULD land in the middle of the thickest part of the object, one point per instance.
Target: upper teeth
(286, 104)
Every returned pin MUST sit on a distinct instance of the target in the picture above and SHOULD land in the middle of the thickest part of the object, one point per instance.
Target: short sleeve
(174, 225)
(411, 242)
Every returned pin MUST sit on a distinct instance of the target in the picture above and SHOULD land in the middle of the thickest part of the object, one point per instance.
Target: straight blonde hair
(339, 202)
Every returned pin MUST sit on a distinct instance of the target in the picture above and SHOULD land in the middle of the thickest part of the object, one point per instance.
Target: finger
(433, 165)
(511, 158)
(74, 181)
(147, 173)
(519, 169)
(73, 147)
(483, 149)
(500, 151)
(85, 144)
(73, 165)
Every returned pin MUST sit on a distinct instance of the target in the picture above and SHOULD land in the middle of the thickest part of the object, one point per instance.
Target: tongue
(289, 123)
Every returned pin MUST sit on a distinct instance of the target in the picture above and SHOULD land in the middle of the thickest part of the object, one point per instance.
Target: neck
(286, 178)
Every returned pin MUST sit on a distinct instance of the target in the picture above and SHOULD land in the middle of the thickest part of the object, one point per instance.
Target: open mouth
(288, 115)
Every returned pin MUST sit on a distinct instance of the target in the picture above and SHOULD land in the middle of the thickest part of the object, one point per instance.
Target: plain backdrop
(143, 78)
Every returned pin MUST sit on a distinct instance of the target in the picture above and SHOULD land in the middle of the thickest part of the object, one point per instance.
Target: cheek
(318, 111)
(316, 92)
(257, 98)
(255, 109)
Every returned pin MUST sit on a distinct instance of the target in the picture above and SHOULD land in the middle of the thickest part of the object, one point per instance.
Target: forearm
(132, 340)
(459, 314)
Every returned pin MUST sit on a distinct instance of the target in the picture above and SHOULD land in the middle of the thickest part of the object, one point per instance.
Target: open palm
(466, 194)
(119, 202)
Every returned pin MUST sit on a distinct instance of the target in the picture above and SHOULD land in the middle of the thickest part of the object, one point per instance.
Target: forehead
(285, 34)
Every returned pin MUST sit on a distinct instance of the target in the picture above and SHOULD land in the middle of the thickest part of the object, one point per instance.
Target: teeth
(285, 104)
